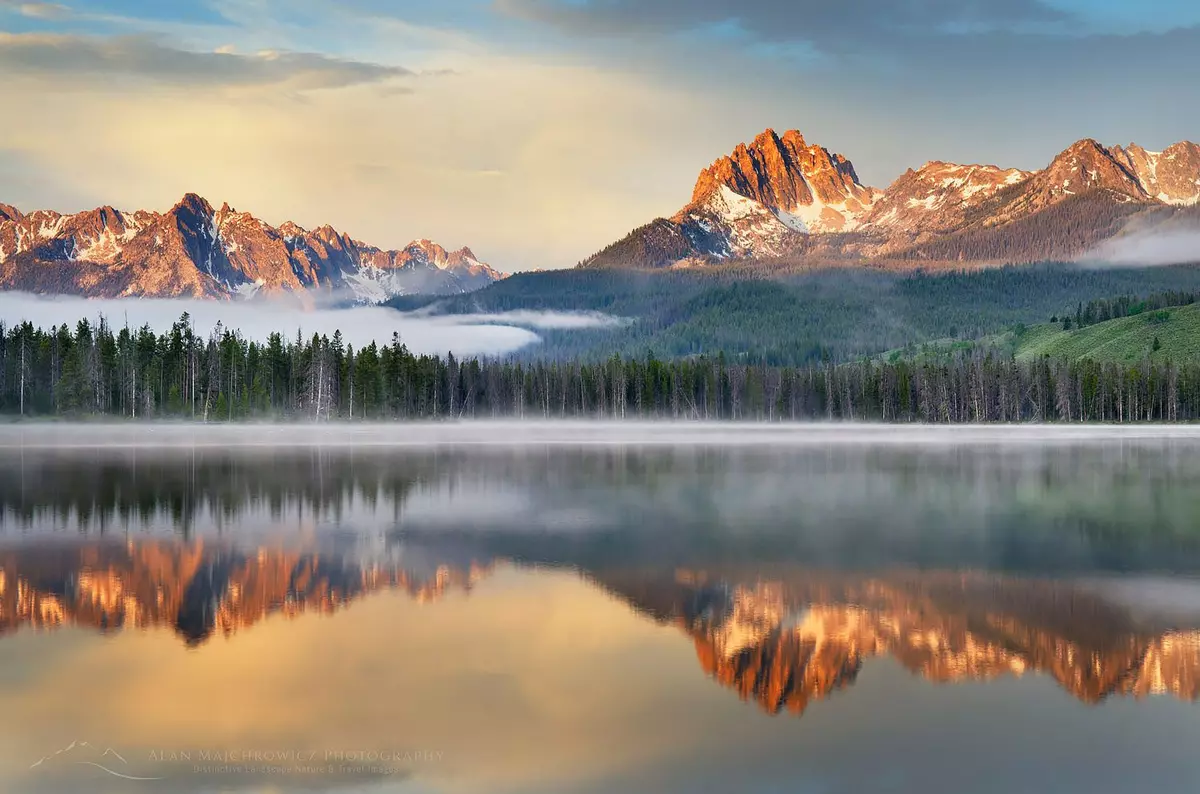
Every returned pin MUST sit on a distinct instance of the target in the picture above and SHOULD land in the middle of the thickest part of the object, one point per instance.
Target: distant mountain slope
(832, 314)
(780, 197)
(194, 250)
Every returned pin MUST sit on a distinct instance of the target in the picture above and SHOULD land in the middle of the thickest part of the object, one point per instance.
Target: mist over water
(574, 433)
(598, 607)
(1069, 497)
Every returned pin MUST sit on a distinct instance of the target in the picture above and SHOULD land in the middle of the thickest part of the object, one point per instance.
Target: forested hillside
(835, 315)
(1066, 229)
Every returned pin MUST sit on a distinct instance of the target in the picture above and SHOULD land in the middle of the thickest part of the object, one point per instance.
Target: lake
(599, 608)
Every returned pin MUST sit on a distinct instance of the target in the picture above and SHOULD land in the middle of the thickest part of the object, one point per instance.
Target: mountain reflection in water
(785, 576)
(778, 641)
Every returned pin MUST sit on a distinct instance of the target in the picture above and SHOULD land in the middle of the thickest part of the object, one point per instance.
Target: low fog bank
(600, 433)
(1147, 248)
(542, 320)
(424, 333)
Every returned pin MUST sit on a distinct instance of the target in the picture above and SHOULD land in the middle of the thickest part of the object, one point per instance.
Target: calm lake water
(560, 608)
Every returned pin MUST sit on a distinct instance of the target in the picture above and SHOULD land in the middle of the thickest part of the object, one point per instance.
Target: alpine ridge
(781, 198)
(194, 250)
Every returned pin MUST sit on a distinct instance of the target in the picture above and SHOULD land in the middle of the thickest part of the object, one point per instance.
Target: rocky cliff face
(760, 199)
(1171, 176)
(937, 197)
(808, 187)
(780, 197)
(196, 251)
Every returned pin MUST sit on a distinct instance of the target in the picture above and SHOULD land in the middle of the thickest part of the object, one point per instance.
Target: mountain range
(196, 251)
(782, 198)
(778, 200)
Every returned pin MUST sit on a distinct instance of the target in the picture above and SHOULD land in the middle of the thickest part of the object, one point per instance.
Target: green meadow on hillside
(1125, 339)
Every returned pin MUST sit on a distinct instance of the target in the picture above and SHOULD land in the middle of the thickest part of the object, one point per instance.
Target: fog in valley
(1155, 247)
(424, 332)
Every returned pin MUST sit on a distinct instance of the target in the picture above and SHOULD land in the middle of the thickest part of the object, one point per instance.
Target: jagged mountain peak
(10, 213)
(1083, 167)
(781, 173)
(769, 140)
(428, 247)
(437, 255)
(194, 203)
(1171, 176)
(1086, 144)
(462, 263)
(330, 236)
(766, 136)
(1180, 147)
(757, 200)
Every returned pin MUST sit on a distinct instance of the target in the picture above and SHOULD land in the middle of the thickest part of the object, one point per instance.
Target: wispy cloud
(89, 58)
(781, 20)
(37, 9)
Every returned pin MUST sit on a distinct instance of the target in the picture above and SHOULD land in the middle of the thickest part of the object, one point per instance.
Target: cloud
(90, 59)
(1148, 248)
(37, 10)
(359, 326)
(441, 164)
(827, 25)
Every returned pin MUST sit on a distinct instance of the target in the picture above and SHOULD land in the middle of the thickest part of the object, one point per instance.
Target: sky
(538, 131)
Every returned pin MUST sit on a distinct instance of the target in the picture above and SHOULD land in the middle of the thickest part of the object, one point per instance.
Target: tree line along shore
(94, 370)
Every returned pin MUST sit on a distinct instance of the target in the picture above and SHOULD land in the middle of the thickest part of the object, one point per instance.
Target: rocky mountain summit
(196, 251)
(780, 197)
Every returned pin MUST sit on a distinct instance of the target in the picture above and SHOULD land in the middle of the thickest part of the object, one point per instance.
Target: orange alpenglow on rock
(781, 197)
